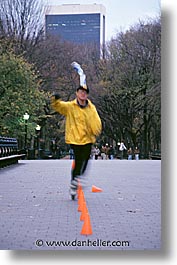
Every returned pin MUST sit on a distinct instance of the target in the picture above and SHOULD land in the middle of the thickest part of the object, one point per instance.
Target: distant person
(103, 151)
(97, 152)
(107, 148)
(111, 152)
(137, 153)
(130, 153)
(122, 148)
(71, 153)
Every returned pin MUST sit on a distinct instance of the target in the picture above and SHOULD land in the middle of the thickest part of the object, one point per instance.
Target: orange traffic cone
(79, 191)
(86, 228)
(96, 189)
(81, 201)
(84, 212)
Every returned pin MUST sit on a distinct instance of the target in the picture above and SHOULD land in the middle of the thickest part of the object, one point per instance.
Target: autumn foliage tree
(19, 90)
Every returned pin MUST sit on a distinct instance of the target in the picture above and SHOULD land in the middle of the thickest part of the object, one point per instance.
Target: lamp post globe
(26, 116)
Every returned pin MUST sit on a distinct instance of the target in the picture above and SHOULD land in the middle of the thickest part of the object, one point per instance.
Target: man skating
(82, 126)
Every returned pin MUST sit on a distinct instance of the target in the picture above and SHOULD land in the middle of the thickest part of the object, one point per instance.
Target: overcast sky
(120, 14)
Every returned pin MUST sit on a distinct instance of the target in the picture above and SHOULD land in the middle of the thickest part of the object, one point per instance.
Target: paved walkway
(36, 211)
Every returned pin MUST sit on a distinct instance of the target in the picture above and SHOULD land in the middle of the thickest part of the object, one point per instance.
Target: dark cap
(83, 88)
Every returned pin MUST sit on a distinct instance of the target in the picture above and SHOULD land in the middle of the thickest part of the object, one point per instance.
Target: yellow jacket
(82, 124)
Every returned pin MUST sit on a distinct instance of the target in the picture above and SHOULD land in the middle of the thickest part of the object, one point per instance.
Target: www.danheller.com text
(82, 243)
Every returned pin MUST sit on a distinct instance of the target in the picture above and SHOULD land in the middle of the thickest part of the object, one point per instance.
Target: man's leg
(76, 171)
(86, 156)
(82, 155)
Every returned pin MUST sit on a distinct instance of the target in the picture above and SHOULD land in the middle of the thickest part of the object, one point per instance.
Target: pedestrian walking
(82, 126)
(111, 152)
(122, 148)
(103, 150)
(107, 151)
(71, 153)
(97, 152)
(130, 153)
(137, 153)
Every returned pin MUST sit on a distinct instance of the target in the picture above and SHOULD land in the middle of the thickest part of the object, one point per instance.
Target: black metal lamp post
(38, 129)
(26, 118)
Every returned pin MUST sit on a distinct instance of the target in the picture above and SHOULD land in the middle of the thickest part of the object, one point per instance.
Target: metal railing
(8, 146)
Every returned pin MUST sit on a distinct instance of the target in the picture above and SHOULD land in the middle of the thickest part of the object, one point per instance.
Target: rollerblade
(73, 189)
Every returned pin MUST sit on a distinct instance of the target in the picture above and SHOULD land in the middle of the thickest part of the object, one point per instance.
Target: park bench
(9, 152)
(156, 155)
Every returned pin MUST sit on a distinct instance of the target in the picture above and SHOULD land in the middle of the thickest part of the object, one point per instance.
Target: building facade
(80, 24)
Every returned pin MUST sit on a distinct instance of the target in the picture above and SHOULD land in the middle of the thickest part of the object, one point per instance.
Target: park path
(36, 211)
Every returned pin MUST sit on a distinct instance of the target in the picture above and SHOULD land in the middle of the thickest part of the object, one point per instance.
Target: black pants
(81, 155)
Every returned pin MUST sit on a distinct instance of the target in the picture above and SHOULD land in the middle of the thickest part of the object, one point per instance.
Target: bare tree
(132, 86)
(22, 20)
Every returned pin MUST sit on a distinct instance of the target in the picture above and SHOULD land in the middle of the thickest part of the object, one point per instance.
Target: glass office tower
(81, 24)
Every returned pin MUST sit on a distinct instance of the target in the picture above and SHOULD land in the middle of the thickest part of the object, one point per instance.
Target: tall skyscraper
(80, 24)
